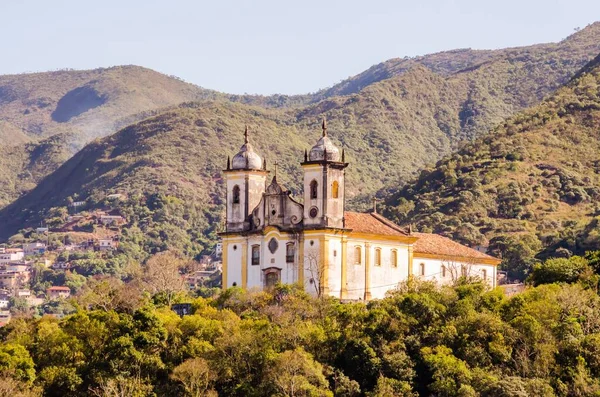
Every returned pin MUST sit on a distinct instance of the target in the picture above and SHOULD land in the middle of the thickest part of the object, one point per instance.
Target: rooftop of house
(372, 223)
(427, 243)
(435, 244)
(59, 288)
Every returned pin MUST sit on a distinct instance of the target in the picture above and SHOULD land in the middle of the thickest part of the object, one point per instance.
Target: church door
(271, 278)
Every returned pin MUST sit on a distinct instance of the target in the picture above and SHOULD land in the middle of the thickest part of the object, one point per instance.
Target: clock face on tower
(314, 211)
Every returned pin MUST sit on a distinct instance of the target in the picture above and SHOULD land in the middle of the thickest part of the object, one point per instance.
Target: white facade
(31, 249)
(448, 270)
(8, 257)
(271, 238)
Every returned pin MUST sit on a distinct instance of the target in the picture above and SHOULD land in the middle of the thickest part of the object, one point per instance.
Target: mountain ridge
(392, 128)
(536, 176)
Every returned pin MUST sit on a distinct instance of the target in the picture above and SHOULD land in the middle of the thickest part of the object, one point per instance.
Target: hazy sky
(271, 46)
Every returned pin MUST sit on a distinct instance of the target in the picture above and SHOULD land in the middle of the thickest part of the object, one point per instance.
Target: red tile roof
(373, 224)
(439, 245)
(59, 289)
(427, 243)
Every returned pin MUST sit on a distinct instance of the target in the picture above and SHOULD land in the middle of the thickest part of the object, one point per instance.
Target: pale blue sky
(270, 46)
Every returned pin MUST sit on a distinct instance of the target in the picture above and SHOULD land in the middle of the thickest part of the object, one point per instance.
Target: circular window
(235, 247)
(312, 243)
(314, 211)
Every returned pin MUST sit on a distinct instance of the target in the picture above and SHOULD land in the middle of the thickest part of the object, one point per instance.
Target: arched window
(313, 189)
(256, 255)
(377, 256)
(236, 194)
(290, 253)
(394, 258)
(422, 269)
(443, 271)
(484, 274)
(335, 187)
(357, 255)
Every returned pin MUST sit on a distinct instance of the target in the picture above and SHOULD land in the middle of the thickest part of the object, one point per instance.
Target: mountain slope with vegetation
(390, 129)
(421, 108)
(447, 63)
(25, 163)
(178, 156)
(533, 182)
(88, 103)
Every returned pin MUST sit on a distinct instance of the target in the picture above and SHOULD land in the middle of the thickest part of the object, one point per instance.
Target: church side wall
(234, 261)
(312, 259)
(433, 270)
(382, 277)
(335, 266)
(386, 277)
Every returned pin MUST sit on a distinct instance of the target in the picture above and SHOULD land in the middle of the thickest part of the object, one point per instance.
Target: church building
(270, 237)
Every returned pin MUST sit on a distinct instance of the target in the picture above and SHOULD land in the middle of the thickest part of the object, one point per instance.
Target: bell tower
(324, 184)
(245, 179)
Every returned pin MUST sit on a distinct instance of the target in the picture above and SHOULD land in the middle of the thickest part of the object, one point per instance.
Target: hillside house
(200, 278)
(58, 292)
(11, 255)
(4, 317)
(61, 265)
(30, 249)
(112, 219)
(14, 278)
(115, 196)
(4, 301)
(107, 245)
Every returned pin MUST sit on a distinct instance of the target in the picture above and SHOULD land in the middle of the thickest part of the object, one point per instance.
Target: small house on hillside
(36, 248)
(112, 219)
(11, 255)
(58, 292)
(107, 245)
(4, 317)
(4, 300)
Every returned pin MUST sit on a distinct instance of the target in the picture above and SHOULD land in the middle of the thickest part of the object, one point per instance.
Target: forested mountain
(88, 103)
(533, 182)
(447, 63)
(25, 163)
(390, 129)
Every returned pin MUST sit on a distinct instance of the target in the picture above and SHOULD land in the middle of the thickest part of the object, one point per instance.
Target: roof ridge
(481, 254)
(387, 222)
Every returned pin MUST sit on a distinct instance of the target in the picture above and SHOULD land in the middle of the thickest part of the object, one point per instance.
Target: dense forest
(119, 337)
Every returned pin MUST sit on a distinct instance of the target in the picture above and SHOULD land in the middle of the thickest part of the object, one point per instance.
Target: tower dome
(324, 148)
(247, 158)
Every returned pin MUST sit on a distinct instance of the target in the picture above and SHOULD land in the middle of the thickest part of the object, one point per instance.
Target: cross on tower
(276, 164)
